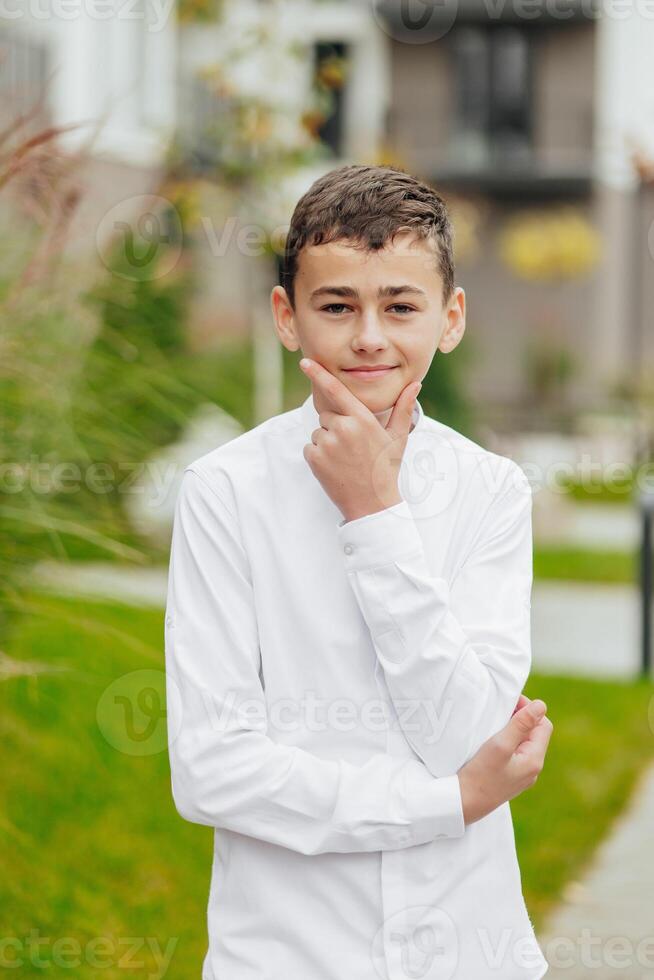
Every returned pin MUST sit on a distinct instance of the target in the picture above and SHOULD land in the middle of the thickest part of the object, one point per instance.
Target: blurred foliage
(127, 376)
(549, 244)
(252, 137)
(199, 11)
(93, 374)
(84, 399)
(619, 490)
(549, 367)
(443, 395)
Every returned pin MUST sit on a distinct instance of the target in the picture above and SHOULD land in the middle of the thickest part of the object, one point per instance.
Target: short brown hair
(368, 205)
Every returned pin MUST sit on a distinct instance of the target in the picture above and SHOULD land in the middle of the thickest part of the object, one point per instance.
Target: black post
(646, 580)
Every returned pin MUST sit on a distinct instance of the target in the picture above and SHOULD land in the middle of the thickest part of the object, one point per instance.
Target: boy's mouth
(369, 373)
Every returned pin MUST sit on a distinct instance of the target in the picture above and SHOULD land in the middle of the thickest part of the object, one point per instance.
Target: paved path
(604, 928)
(577, 628)
(130, 584)
(584, 628)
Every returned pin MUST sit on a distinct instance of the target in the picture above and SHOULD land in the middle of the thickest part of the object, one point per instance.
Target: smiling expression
(357, 309)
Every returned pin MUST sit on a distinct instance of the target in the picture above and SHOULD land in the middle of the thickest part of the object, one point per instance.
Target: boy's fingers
(400, 421)
(523, 721)
(339, 395)
(522, 701)
(535, 745)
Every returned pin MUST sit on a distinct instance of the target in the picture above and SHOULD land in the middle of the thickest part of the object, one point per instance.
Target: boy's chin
(378, 406)
(377, 402)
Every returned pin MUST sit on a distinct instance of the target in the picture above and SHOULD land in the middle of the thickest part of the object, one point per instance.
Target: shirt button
(348, 549)
(169, 620)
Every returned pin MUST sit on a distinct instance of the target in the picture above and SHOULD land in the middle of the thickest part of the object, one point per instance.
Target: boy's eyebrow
(353, 293)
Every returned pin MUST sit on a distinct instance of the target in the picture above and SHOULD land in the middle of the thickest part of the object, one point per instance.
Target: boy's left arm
(455, 657)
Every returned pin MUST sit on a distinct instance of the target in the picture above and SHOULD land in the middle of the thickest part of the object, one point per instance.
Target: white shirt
(326, 680)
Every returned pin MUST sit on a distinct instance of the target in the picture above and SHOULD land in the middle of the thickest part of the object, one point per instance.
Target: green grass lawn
(622, 489)
(583, 565)
(95, 847)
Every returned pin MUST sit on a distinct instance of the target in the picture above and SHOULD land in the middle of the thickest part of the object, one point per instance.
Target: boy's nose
(369, 334)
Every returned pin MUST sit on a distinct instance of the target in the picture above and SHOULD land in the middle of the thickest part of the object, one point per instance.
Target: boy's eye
(330, 306)
(402, 307)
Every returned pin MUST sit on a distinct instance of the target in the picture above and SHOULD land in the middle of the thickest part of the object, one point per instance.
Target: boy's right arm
(226, 771)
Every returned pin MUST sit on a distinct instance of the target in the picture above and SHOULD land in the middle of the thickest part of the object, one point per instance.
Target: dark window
(330, 59)
(492, 72)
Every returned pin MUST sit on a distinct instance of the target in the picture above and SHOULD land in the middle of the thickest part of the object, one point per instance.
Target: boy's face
(349, 313)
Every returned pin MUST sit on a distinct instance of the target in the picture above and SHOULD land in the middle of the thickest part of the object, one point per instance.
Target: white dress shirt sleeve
(226, 770)
(455, 657)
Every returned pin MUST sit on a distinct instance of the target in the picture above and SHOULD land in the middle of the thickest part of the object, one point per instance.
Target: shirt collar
(311, 419)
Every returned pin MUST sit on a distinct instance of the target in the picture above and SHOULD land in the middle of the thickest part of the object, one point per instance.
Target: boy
(345, 649)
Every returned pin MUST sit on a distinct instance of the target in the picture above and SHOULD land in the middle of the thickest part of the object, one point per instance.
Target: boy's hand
(507, 763)
(356, 459)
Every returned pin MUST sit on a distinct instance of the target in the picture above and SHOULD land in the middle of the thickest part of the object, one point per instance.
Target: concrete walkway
(104, 580)
(604, 928)
(577, 628)
(586, 628)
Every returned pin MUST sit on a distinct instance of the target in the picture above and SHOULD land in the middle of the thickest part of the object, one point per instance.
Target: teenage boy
(348, 632)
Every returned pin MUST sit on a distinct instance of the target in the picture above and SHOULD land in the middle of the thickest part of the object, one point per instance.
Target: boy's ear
(455, 316)
(284, 318)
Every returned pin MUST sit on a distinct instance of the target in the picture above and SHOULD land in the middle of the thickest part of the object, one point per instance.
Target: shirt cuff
(376, 539)
(438, 809)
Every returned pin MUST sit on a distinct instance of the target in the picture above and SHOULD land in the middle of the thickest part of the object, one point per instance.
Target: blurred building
(517, 112)
(106, 69)
(524, 113)
(520, 107)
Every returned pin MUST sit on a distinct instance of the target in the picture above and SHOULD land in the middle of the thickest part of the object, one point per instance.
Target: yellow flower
(546, 245)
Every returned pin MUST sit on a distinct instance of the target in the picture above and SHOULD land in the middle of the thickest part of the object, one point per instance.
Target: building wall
(505, 312)
(564, 93)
